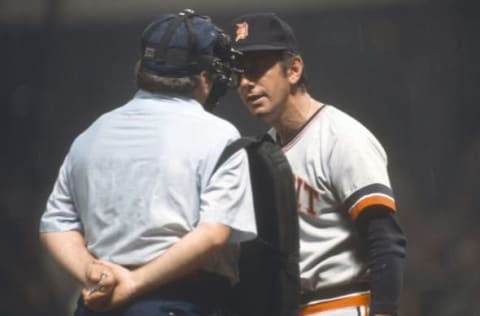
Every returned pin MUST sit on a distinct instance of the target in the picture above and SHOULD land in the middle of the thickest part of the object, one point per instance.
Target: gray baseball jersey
(340, 169)
(139, 179)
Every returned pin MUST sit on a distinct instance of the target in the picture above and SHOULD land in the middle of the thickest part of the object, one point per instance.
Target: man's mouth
(253, 98)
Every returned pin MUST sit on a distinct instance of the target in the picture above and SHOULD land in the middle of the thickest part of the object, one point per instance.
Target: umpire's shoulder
(222, 125)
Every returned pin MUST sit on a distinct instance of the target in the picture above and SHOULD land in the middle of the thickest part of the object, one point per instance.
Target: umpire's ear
(202, 90)
(295, 70)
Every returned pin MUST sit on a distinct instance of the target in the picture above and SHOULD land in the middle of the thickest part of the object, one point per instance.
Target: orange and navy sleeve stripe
(371, 195)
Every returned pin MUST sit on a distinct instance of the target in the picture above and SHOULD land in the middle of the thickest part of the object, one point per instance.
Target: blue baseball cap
(178, 45)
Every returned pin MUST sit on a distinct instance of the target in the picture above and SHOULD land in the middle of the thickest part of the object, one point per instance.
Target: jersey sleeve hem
(54, 227)
(371, 195)
(239, 234)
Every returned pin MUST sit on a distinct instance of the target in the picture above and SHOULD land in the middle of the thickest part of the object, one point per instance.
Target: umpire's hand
(100, 284)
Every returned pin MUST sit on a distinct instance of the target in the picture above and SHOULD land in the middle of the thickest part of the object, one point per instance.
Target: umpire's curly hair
(148, 81)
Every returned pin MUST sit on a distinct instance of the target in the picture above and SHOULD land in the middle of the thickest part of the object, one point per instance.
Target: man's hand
(111, 291)
(99, 286)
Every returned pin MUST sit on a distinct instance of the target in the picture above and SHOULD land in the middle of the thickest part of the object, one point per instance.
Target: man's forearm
(187, 255)
(69, 251)
(386, 245)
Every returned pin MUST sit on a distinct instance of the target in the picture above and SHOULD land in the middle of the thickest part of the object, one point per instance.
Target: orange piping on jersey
(350, 301)
(372, 200)
(294, 140)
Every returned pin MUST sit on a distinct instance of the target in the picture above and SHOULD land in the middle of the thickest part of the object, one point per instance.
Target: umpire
(136, 215)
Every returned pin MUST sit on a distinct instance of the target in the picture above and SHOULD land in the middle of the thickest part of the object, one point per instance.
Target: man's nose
(245, 81)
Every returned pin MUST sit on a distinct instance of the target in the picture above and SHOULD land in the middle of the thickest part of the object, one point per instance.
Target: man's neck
(298, 110)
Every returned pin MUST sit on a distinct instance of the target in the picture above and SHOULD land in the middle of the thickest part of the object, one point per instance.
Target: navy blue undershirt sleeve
(386, 246)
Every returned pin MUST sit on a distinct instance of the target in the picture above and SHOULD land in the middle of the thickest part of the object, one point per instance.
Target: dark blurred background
(408, 70)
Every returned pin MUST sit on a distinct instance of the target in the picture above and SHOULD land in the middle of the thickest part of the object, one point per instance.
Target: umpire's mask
(183, 44)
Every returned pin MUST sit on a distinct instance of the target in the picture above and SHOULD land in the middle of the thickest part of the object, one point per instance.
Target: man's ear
(295, 70)
(201, 92)
(206, 81)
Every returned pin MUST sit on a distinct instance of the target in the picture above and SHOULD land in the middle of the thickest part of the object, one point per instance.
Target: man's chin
(261, 114)
(257, 112)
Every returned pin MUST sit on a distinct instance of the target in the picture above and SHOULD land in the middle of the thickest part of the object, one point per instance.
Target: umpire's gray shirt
(139, 178)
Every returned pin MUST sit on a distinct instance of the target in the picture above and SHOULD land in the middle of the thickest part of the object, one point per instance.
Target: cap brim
(260, 47)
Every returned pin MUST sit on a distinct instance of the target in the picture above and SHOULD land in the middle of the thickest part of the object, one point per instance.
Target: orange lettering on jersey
(307, 197)
(312, 199)
(298, 189)
(242, 31)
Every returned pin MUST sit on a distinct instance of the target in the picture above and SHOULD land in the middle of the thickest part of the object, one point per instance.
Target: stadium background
(409, 70)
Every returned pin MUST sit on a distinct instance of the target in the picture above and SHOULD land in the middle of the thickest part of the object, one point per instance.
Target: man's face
(264, 87)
